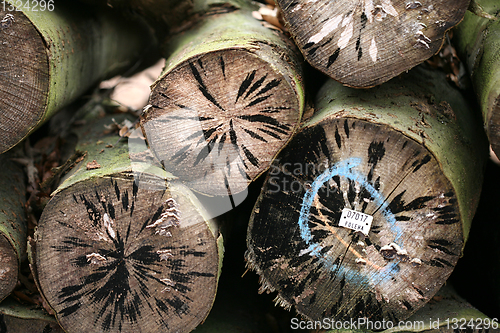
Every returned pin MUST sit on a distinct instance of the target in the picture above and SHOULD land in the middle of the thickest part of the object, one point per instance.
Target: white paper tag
(354, 220)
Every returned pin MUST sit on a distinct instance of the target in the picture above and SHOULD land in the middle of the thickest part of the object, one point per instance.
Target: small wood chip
(95, 258)
(79, 159)
(93, 165)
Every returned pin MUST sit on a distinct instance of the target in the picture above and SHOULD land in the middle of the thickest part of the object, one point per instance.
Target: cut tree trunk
(228, 100)
(17, 318)
(13, 229)
(50, 57)
(410, 155)
(365, 43)
(123, 251)
(477, 40)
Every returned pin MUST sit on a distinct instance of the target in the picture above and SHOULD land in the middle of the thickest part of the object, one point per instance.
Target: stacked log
(13, 225)
(366, 211)
(53, 55)
(229, 98)
(366, 43)
(478, 44)
(121, 253)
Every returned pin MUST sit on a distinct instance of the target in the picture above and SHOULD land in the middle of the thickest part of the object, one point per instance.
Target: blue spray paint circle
(345, 169)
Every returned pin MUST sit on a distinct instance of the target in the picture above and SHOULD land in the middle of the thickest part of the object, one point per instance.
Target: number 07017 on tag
(354, 220)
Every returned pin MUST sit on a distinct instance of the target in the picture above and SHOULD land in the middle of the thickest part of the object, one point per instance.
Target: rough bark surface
(398, 153)
(229, 99)
(365, 43)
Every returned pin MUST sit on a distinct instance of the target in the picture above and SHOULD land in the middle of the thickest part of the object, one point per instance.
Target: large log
(13, 226)
(477, 40)
(118, 250)
(408, 154)
(51, 56)
(365, 43)
(228, 100)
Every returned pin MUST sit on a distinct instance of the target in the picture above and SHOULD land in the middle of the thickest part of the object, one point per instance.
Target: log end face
(365, 43)
(327, 267)
(23, 79)
(218, 120)
(126, 259)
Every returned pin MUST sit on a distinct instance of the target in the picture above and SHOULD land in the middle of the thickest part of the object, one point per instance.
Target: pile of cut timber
(359, 202)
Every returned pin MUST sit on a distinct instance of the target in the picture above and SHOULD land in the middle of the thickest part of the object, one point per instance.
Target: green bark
(411, 155)
(13, 226)
(16, 318)
(122, 247)
(54, 56)
(477, 40)
(229, 98)
(220, 32)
